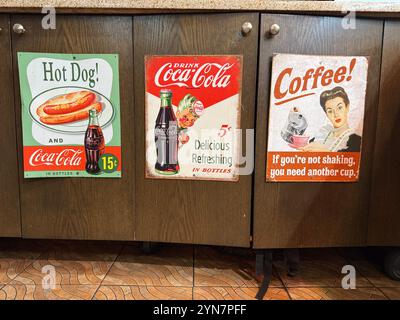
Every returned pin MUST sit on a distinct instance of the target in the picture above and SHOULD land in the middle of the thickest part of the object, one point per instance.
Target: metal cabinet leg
(148, 247)
(264, 259)
(292, 259)
(392, 264)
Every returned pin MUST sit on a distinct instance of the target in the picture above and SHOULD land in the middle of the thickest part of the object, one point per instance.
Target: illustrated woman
(337, 135)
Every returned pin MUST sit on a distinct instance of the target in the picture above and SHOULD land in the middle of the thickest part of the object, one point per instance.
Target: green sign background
(24, 58)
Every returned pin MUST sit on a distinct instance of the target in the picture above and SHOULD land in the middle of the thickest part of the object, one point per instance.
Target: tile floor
(99, 270)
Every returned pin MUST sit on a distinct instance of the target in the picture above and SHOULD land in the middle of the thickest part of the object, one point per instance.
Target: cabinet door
(9, 199)
(205, 212)
(81, 208)
(385, 202)
(314, 214)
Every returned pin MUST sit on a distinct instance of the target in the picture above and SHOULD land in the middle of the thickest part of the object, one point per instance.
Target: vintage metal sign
(70, 115)
(192, 117)
(316, 118)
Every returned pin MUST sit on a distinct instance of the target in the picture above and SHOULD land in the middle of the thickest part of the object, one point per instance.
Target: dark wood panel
(81, 208)
(194, 211)
(314, 214)
(10, 222)
(384, 223)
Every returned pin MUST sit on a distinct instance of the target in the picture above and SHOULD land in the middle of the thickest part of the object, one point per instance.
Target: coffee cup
(299, 141)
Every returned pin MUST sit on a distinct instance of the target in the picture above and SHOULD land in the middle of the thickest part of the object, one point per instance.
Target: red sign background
(205, 76)
(60, 158)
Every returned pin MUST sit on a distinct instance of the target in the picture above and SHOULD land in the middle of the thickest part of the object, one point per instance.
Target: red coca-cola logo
(66, 157)
(210, 79)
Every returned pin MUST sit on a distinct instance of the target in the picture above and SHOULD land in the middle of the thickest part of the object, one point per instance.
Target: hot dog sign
(70, 115)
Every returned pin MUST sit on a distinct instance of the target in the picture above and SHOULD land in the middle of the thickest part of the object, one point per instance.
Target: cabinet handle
(18, 28)
(274, 29)
(246, 28)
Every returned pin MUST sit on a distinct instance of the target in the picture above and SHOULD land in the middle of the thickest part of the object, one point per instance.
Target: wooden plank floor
(104, 270)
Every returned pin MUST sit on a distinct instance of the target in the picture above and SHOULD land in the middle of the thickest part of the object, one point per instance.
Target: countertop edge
(154, 6)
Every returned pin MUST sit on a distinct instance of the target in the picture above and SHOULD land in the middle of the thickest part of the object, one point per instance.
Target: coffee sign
(192, 117)
(316, 118)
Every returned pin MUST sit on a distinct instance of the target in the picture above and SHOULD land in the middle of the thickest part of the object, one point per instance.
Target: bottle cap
(165, 93)
(92, 112)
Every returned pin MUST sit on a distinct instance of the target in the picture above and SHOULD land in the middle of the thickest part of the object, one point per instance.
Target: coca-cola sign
(215, 78)
(192, 108)
(67, 157)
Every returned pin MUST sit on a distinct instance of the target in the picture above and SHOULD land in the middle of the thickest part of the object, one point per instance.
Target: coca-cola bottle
(94, 144)
(166, 136)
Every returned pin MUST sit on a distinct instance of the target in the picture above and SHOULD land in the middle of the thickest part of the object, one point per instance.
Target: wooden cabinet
(10, 225)
(80, 208)
(315, 214)
(203, 212)
(384, 222)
